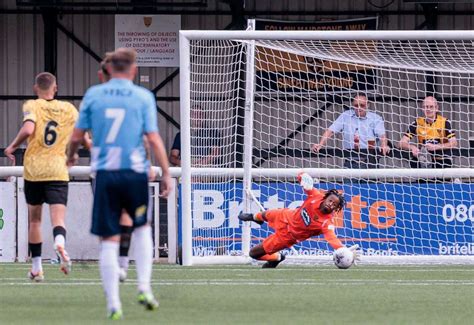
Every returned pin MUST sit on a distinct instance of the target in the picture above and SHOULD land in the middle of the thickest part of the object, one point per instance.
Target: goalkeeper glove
(305, 181)
(355, 250)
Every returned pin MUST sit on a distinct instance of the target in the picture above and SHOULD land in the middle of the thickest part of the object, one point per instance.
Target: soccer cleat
(148, 300)
(248, 217)
(122, 274)
(37, 277)
(273, 264)
(64, 259)
(115, 315)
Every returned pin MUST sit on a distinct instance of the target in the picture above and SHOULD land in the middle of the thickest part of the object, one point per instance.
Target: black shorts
(114, 191)
(50, 192)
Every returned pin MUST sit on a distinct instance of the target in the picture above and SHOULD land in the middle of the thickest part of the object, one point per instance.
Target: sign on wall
(286, 71)
(154, 37)
(7, 222)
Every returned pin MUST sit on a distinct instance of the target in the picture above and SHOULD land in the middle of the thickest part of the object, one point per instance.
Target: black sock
(59, 230)
(35, 249)
(125, 238)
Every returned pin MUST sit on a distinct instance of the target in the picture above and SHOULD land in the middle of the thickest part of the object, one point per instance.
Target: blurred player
(48, 125)
(126, 223)
(312, 218)
(119, 113)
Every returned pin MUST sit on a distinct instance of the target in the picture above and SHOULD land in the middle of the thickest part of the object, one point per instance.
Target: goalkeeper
(312, 218)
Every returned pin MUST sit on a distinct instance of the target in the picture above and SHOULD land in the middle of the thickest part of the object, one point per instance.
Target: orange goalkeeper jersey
(307, 221)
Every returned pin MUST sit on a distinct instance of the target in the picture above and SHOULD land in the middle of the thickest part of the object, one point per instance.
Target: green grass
(248, 295)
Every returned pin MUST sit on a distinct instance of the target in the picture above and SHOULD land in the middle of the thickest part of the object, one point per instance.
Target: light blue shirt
(118, 113)
(370, 127)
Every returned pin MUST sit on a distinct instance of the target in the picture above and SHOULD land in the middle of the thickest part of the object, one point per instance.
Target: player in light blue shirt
(360, 129)
(118, 114)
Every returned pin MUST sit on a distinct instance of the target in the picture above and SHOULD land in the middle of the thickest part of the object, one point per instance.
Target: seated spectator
(361, 130)
(434, 134)
(205, 140)
(175, 153)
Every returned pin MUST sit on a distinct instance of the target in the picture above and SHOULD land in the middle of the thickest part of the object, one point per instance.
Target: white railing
(81, 244)
(14, 243)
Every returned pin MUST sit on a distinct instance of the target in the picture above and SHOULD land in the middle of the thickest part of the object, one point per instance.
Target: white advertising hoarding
(80, 243)
(7, 222)
(154, 37)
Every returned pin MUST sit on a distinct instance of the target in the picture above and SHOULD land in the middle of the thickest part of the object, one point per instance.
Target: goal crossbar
(372, 35)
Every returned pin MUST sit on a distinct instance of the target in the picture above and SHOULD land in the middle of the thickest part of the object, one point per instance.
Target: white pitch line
(217, 283)
(276, 281)
(253, 269)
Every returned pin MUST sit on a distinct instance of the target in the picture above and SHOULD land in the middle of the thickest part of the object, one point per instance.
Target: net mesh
(300, 89)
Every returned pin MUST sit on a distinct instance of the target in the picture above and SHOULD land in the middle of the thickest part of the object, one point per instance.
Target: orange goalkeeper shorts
(277, 219)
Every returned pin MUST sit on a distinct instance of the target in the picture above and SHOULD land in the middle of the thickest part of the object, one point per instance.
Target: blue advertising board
(383, 218)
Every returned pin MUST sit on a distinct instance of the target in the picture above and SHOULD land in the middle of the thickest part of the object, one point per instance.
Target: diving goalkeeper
(312, 218)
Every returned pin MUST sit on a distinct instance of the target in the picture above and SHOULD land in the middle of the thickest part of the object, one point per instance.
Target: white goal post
(254, 102)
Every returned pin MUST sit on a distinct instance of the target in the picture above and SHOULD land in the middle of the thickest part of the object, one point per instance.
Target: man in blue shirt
(205, 142)
(175, 153)
(360, 130)
(118, 114)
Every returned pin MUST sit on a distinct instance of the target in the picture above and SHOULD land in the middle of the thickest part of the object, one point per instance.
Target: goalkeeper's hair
(342, 201)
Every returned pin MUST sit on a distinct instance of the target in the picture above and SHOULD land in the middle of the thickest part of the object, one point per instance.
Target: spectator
(175, 153)
(205, 141)
(360, 130)
(434, 134)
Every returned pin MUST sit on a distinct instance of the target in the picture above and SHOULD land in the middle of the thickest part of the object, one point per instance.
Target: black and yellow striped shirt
(439, 131)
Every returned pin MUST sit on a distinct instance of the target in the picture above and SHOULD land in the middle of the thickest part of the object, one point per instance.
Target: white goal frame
(247, 172)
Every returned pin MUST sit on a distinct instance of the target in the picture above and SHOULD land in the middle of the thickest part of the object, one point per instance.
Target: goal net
(254, 104)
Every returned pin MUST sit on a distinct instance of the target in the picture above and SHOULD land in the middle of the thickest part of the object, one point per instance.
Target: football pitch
(248, 295)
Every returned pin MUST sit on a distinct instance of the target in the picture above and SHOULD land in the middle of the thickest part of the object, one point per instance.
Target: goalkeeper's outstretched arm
(332, 239)
(336, 243)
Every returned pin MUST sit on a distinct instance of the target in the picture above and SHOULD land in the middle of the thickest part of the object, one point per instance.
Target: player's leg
(126, 226)
(56, 196)
(144, 261)
(58, 212)
(137, 203)
(269, 249)
(105, 224)
(34, 199)
(261, 217)
(250, 217)
(126, 229)
(109, 273)
(35, 242)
